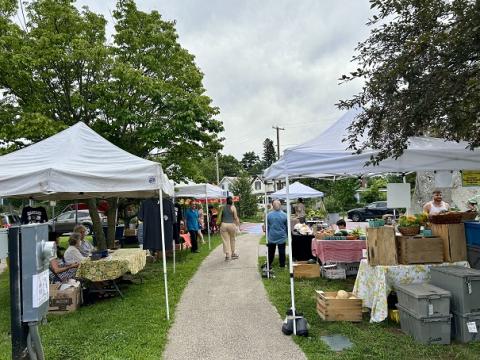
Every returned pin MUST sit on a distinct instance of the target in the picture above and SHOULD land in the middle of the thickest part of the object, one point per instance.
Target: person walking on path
(228, 229)
(277, 233)
(192, 225)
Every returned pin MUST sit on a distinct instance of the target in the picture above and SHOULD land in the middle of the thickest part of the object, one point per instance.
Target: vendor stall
(77, 163)
(374, 283)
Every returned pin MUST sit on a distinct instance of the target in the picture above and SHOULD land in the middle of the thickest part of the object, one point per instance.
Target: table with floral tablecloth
(374, 283)
(117, 263)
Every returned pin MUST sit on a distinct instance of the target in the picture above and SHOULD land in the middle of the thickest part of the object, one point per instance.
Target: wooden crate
(381, 246)
(419, 250)
(301, 269)
(333, 273)
(331, 309)
(454, 243)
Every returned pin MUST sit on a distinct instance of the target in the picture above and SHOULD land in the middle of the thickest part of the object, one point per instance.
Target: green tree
(142, 92)
(250, 162)
(229, 165)
(420, 68)
(242, 187)
(269, 154)
(339, 194)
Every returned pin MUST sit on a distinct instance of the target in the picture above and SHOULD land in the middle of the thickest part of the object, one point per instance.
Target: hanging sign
(398, 195)
(470, 178)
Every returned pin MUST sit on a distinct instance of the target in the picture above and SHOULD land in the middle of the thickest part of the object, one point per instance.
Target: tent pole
(266, 229)
(208, 219)
(162, 226)
(173, 240)
(290, 256)
(76, 212)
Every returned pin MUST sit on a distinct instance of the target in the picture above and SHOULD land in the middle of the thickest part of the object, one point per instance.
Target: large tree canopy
(142, 91)
(421, 70)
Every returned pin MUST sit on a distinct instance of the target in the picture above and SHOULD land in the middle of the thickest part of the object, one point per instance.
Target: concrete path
(224, 312)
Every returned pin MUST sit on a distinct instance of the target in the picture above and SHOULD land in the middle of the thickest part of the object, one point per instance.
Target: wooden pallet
(301, 269)
(419, 250)
(454, 242)
(331, 309)
(381, 246)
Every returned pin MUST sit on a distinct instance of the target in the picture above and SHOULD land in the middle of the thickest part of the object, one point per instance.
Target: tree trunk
(97, 224)
(112, 222)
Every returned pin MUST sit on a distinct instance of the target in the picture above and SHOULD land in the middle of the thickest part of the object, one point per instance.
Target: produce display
(303, 229)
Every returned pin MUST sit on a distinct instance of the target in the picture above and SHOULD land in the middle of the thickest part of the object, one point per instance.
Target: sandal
(235, 256)
(227, 258)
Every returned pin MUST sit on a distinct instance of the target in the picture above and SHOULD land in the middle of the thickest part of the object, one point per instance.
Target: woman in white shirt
(72, 254)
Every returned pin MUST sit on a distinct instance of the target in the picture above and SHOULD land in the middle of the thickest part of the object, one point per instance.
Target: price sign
(470, 178)
(40, 289)
(472, 327)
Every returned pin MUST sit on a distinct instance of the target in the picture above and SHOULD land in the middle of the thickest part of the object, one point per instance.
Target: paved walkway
(224, 312)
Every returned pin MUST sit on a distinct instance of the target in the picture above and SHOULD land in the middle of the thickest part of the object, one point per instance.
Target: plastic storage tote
(426, 330)
(472, 233)
(424, 300)
(466, 327)
(473, 256)
(463, 283)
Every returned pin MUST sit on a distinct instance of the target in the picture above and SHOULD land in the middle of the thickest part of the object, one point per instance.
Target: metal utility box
(424, 300)
(3, 244)
(466, 327)
(36, 253)
(463, 284)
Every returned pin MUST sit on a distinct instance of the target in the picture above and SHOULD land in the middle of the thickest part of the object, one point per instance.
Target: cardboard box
(301, 269)
(64, 301)
(454, 242)
(130, 232)
(419, 250)
(381, 246)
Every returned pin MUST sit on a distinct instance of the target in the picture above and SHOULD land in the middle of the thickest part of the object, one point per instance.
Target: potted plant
(356, 233)
(409, 225)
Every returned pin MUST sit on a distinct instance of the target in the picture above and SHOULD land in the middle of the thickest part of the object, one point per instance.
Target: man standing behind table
(192, 225)
(437, 205)
(277, 233)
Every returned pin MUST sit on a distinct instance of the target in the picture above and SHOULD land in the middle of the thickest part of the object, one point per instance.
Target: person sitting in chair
(72, 254)
(85, 247)
(60, 271)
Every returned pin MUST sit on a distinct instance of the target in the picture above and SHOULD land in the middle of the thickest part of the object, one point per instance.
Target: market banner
(470, 178)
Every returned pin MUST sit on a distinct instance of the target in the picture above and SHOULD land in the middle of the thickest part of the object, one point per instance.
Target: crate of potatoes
(338, 306)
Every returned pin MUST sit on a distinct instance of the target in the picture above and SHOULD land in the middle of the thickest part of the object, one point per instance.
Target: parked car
(65, 222)
(7, 220)
(372, 211)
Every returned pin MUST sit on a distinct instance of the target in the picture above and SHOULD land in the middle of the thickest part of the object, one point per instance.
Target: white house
(258, 186)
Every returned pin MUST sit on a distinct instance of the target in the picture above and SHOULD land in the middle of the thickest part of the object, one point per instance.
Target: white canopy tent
(77, 163)
(201, 191)
(326, 155)
(297, 190)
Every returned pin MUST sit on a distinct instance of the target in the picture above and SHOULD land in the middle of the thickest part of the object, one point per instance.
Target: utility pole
(278, 139)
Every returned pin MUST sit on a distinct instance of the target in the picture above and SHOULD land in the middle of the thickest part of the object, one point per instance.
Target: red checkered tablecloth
(345, 251)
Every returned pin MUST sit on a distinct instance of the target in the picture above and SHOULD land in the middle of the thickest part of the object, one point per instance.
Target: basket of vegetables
(409, 225)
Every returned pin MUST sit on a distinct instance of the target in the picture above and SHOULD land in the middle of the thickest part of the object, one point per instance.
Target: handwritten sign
(470, 178)
(40, 289)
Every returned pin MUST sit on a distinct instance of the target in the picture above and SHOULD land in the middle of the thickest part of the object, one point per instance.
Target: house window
(258, 185)
(223, 187)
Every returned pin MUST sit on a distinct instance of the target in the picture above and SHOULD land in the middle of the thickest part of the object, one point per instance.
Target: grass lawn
(133, 328)
(371, 341)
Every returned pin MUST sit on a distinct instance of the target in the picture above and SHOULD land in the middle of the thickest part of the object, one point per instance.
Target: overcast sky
(269, 62)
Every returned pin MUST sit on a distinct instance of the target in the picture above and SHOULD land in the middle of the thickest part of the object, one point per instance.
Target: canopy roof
(297, 190)
(326, 155)
(78, 163)
(199, 191)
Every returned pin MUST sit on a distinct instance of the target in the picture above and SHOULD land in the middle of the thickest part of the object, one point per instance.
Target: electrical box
(36, 253)
(3, 244)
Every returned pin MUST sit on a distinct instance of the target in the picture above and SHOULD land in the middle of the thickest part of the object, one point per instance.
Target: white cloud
(268, 62)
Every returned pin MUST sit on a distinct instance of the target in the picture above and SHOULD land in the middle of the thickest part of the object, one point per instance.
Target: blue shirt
(192, 219)
(277, 227)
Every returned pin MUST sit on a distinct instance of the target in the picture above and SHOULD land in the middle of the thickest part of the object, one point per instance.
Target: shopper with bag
(228, 221)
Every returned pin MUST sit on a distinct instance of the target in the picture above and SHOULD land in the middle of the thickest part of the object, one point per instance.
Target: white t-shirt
(73, 255)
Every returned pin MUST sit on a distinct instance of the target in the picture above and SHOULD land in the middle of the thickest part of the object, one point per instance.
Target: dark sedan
(372, 211)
